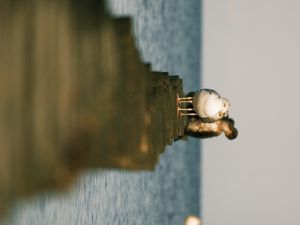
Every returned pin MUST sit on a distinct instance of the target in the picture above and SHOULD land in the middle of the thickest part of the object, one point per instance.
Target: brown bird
(196, 127)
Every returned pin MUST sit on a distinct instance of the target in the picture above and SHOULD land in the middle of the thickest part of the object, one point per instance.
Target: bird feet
(184, 111)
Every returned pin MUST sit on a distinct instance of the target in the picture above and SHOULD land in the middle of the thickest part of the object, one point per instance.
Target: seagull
(207, 104)
(196, 127)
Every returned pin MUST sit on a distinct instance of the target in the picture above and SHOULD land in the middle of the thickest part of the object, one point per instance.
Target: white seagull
(207, 104)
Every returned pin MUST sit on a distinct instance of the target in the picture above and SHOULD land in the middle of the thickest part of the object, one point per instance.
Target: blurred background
(251, 54)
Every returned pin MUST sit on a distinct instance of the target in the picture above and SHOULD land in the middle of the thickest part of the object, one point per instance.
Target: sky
(251, 55)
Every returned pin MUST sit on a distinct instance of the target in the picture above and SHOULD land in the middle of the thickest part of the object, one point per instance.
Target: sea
(167, 35)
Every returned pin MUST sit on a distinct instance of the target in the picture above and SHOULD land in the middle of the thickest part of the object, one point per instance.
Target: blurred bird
(207, 104)
(192, 220)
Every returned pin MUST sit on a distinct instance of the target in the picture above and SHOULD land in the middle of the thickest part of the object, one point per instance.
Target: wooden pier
(74, 94)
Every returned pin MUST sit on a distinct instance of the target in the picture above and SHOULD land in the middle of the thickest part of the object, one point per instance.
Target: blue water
(167, 34)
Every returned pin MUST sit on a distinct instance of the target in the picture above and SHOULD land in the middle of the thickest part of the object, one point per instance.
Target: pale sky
(251, 55)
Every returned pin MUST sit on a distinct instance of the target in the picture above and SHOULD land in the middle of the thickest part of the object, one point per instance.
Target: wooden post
(74, 94)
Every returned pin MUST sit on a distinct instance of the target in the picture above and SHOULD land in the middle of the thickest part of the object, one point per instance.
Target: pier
(74, 95)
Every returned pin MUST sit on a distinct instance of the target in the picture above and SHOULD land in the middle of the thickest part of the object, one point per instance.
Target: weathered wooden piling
(75, 94)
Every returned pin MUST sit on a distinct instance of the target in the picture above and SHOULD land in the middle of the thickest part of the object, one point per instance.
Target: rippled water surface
(167, 34)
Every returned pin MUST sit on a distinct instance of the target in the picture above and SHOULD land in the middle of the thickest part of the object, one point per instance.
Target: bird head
(224, 106)
(230, 131)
